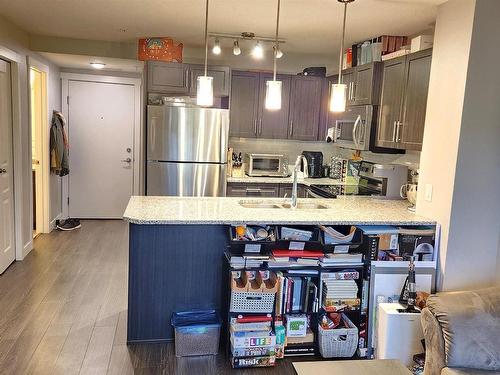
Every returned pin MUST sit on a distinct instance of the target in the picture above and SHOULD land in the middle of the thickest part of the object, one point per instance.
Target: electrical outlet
(428, 192)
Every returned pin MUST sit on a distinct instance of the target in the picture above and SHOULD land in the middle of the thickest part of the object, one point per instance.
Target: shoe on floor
(69, 224)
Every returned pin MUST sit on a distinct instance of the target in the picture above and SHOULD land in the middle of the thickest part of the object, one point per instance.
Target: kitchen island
(177, 244)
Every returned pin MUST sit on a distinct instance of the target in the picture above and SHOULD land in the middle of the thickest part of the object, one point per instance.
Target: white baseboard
(26, 250)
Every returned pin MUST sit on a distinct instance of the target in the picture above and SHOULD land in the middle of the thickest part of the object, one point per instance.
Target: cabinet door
(411, 128)
(390, 102)
(244, 104)
(287, 189)
(305, 105)
(348, 79)
(221, 75)
(325, 106)
(168, 78)
(274, 123)
(367, 84)
(252, 190)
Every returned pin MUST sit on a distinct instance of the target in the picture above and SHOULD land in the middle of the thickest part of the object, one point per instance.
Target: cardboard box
(421, 42)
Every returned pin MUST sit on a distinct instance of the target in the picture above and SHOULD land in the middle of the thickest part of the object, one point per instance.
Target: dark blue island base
(172, 268)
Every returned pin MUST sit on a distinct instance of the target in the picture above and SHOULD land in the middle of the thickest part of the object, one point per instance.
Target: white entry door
(101, 139)
(7, 248)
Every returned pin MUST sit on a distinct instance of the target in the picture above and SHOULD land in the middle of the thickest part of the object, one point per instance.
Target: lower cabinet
(252, 190)
(240, 189)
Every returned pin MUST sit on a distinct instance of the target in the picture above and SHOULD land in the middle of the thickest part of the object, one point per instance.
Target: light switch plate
(428, 192)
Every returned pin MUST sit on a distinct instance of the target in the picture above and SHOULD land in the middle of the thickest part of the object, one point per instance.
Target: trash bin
(197, 332)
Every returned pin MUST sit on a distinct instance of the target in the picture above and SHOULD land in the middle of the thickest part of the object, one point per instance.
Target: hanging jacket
(59, 146)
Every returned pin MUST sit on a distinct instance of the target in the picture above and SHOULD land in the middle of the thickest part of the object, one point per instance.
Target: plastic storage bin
(196, 332)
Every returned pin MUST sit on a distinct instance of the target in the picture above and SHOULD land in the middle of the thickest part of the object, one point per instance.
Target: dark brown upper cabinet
(411, 132)
(221, 75)
(363, 84)
(305, 107)
(403, 101)
(274, 123)
(168, 78)
(175, 78)
(244, 104)
(248, 116)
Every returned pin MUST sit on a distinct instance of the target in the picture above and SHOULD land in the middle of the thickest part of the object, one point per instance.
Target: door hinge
(67, 100)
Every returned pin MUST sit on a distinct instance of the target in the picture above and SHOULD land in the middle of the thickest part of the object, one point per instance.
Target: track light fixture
(236, 48)
(258, 51)
(216, 50)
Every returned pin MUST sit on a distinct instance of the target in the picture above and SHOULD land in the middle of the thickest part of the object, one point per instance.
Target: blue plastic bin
(197, 332)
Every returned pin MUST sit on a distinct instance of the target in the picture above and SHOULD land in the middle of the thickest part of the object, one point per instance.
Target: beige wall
(460, 155)
(13, 38)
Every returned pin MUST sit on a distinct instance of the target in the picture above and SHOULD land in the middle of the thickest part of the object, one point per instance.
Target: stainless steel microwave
(269, 165)
(352, 128)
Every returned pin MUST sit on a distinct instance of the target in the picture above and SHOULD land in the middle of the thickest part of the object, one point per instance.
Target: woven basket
(342, 342)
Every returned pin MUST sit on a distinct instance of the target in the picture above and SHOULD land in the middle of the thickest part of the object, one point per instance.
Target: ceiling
(83, 62)
(309, 26)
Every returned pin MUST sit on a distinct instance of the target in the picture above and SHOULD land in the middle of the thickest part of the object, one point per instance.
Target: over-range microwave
(268, 165)
(355, 128)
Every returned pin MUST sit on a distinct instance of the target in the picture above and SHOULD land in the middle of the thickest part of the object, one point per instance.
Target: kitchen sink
(258, 205)
(306, 206)
(269, 205)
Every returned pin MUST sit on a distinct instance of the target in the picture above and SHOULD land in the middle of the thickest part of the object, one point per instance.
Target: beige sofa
(462, 333)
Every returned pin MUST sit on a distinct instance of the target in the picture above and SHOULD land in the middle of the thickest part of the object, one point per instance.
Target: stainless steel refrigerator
(186, 150)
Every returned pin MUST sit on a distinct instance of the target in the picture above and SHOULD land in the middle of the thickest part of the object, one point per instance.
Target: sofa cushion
(471, 327)
(467, 371)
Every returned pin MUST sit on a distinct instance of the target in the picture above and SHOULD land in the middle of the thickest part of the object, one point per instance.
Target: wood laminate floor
(63, 310)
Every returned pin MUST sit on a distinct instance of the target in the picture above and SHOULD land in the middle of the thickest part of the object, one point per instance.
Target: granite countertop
(288, 180)
(350, 210)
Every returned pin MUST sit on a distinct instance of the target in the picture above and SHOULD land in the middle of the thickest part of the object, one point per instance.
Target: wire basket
(338, 343)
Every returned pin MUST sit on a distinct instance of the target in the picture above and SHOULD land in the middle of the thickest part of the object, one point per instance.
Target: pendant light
(338, 91)
(205, 84)
(273, 88)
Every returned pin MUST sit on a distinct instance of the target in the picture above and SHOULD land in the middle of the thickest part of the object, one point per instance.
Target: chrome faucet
(300, 159)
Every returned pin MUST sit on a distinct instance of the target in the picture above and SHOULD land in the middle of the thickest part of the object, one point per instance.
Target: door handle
(260, 126)
(127, 160)
(354, 129)
(291, 128)
(255, 126)
(2, 170)
(394, 131)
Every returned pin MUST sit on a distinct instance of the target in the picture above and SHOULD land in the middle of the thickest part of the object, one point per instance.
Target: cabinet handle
(253, 190)
(255, 126)
(398, 138)
(260, 126)
(353, 98)
(291, 128)
(394, 131)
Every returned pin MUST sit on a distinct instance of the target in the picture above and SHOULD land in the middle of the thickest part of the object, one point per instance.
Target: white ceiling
(83, 62)
(309, 26)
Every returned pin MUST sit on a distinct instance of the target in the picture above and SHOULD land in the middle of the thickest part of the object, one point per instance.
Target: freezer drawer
(187, 134)
(186, 179)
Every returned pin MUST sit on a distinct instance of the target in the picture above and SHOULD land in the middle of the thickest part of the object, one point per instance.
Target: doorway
(39, 149)
(7, 247)
(101, 119)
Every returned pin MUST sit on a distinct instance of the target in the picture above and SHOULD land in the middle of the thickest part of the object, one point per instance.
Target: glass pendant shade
(205, 91)
(338, 97)
(273, 95)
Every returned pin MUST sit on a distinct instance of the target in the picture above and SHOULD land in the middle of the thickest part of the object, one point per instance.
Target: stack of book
(294, 258)
(340, 291)
(296, 294)
(343, 259)
(253, 343)
(247, 261)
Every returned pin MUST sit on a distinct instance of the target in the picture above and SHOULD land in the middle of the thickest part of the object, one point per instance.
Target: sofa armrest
(435, 359)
